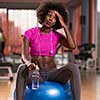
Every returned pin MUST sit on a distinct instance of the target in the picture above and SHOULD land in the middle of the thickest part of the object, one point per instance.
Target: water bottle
(35, 80)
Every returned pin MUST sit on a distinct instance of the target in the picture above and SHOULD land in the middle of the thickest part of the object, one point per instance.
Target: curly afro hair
(43, 10)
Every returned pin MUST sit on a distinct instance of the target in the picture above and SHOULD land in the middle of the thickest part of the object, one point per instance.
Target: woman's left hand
(60, 19)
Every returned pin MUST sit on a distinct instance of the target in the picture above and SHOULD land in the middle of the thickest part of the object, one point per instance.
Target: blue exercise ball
(48, 91)
(68, 91)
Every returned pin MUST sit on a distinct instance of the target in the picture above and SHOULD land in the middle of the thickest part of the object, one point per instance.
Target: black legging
(62, 75)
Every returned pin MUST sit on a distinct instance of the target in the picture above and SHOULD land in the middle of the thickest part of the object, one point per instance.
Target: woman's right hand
(31, 66)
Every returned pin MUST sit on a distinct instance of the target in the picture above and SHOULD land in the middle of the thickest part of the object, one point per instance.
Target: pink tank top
(42, 44)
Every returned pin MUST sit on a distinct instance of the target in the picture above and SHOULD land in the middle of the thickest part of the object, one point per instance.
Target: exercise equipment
(6, 68)
(48, 91)
(85, 58)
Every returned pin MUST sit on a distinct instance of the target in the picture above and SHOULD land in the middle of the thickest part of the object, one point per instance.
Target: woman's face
(50, 19)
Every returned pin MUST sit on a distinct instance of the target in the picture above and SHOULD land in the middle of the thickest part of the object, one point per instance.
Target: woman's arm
(25, 47)
(25, 54)
(67, 41)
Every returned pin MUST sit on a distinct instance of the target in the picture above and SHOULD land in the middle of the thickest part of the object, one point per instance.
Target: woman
(39, 48)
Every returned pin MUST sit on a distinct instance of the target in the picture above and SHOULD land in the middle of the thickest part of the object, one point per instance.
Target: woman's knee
(22, 71)
(21, 68)
(75, 73)
(72, 67)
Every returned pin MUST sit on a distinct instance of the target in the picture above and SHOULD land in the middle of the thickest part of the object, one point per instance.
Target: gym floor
(90, 87)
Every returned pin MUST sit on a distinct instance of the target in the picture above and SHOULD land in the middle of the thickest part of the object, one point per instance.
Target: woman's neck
(45, 30)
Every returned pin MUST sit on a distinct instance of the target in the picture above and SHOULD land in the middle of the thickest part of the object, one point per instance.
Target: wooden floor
(90, 87)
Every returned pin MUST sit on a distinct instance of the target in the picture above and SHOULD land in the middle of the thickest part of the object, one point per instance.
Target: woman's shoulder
(32, 29)
(30, 33)
(57, 33)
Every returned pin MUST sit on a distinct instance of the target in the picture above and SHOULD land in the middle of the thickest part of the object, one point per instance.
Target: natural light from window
(98, 5)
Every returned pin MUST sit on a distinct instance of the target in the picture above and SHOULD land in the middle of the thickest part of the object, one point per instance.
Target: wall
(85, 20)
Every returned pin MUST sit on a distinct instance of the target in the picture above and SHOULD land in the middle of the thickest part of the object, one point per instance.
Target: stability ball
(48, 91)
